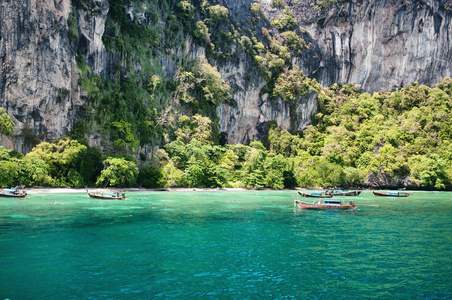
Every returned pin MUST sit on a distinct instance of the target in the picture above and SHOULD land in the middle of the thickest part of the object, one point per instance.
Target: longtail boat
(314, 195)
(107, 195)
(391, 194)
(343, 193)
(13, 193)
(327, 204)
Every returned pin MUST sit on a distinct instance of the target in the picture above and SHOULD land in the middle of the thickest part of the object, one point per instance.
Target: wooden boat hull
(390, 194)
(306, 195)
(307, 205)
(106, 197)
(349, 193)
(20, 196)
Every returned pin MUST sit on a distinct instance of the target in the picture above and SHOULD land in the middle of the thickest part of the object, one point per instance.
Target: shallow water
(224, 245)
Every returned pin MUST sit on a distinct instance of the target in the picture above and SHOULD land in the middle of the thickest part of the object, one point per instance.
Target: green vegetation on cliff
(398, 138)
(156, 111)
(6, 123)
(139, 102)
(153, 81)
(327, 3)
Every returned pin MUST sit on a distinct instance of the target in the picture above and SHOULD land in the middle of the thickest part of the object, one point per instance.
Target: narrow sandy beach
(83, 190)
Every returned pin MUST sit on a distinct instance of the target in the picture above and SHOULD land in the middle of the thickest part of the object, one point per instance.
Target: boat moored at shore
(391, 194)
(107, 195)
(314, 195)
(13, 193)
(327, 204)
(343, 193)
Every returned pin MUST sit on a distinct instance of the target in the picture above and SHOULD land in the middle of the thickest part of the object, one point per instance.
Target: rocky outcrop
(383, 181)
(35, 86)
(382, 44)
(39, 79)
(91, 27)
(379, 44)
(245, 120)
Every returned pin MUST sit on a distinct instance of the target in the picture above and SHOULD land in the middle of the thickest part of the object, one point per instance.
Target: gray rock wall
(36, 67)
(39, 79)
(380, 44)
(246, 119)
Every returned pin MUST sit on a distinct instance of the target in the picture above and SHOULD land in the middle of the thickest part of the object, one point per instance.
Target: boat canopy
(332, 202)
(9, 190)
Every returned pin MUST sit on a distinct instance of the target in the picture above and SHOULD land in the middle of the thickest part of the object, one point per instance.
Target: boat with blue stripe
(391, 194)
(13, 193)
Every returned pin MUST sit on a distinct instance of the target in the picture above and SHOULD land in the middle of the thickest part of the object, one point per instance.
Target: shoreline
(123, 190)
(50, 190)
(37, 190)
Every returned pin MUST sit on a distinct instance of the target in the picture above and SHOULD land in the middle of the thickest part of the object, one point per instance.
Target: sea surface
(224, 245)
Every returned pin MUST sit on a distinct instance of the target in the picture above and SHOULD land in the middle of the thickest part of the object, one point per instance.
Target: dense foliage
(65, 162)
(166, 116)
(6, 124)
(139, 102)
(402, 136)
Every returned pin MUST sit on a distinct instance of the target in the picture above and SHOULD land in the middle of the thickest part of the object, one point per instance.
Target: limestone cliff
(379, 44)
(39, 86)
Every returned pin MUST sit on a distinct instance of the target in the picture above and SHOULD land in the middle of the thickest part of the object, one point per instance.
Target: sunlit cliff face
(380, 45)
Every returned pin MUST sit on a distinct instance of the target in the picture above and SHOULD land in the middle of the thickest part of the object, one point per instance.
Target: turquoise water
(224, 245)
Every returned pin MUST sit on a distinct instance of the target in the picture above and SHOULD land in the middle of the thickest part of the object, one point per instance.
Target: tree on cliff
(6, 123)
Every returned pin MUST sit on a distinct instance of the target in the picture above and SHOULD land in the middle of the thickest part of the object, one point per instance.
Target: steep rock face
(36, 66)
(381, 44)
(39, 79)
(91, 25)
(246, 119)
(382, 180)
(378, 44)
